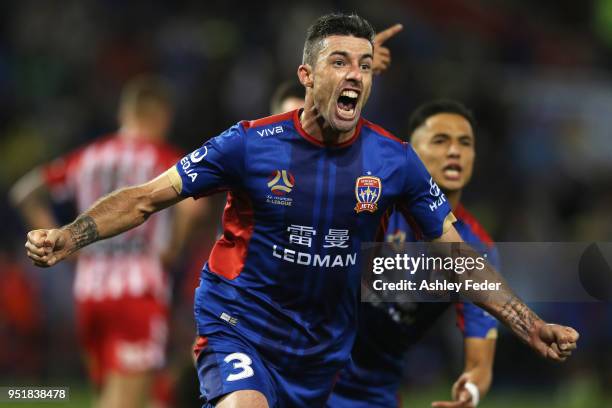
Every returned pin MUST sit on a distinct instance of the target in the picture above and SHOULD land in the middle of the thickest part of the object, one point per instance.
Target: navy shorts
(227, 362)
(362, 388)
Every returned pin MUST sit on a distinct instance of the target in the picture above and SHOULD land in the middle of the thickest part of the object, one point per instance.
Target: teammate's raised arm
(117, 212)
(382, 54)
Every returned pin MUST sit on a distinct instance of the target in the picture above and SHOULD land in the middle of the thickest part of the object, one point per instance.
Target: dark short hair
(287, 89)
(420, 115)
(335, 24)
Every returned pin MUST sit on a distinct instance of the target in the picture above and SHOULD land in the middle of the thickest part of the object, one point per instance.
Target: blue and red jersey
(285, 274)
(387, 330)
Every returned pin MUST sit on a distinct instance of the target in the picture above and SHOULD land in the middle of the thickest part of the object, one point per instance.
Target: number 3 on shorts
(241, 361)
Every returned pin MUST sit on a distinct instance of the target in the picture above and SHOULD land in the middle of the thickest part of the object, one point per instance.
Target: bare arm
(30, 196)
(479, 356)
(113, 214)
(549, 340)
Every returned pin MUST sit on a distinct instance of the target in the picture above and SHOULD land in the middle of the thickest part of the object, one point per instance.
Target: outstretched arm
(551, 341)
(113, 214)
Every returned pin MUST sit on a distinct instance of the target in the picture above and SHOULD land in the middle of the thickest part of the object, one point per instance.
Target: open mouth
(452, 171)
(347, 104)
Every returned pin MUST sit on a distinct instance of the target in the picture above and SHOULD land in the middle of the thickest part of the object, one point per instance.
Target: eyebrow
(446, 135)
(346, 54)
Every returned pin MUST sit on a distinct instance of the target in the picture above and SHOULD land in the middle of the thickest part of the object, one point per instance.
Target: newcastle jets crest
(367, 190)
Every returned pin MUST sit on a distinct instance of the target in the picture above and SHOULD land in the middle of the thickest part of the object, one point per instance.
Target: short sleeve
(422, 200)
(475, 322)
(58, 175)
(217, 165)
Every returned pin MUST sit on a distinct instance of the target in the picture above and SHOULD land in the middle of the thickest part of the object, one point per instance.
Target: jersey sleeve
(218, 165)
(399, 230)
(423, 203)
(58, 175)
(475, 322)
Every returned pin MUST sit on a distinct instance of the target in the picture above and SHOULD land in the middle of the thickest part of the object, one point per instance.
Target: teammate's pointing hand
(382, 55)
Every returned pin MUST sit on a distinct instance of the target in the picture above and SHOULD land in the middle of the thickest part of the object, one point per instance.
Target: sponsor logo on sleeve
(434, 190)
(198, 155)
(438, 197)
(188, 162)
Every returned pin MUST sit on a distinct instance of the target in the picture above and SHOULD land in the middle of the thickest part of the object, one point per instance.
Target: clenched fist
(555, 342)
(47, 247)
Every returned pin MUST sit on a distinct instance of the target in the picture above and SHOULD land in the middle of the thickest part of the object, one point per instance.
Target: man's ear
(305, 75)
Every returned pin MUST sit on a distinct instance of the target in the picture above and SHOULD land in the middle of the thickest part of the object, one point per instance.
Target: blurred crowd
(537, 75)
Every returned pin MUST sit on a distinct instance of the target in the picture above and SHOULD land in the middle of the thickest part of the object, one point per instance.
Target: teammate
(121, 287)
(443, 137)
(287, 97)
(277, 302)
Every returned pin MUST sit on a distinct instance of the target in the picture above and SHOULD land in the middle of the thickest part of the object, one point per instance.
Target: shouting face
(341, 79)
(445, 144)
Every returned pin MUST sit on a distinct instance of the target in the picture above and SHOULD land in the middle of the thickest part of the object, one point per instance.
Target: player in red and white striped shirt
(121, 287)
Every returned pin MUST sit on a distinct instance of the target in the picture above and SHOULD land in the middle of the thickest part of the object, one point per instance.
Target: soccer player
(442, 134)
(289, 95)
(277, 302)
(121, 286)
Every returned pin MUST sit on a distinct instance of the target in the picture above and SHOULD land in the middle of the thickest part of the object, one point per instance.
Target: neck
(454, 198)
(316, 126)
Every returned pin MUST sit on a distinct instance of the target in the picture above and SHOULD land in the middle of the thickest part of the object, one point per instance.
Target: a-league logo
(368, 190)
(281, 182)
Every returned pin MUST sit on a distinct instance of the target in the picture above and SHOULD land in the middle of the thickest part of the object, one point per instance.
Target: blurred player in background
(442, 134)
(277, 303)
(121, 286)
(287, 97)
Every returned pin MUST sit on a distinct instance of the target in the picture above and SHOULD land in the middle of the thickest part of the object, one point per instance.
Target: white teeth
(451, 172)
(350, 94)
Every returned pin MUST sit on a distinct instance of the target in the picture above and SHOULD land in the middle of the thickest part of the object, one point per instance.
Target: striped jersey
(285, 274)
(127, 264)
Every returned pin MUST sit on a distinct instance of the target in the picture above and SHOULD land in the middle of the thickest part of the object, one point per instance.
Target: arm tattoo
(83, 231)
(518, 317)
